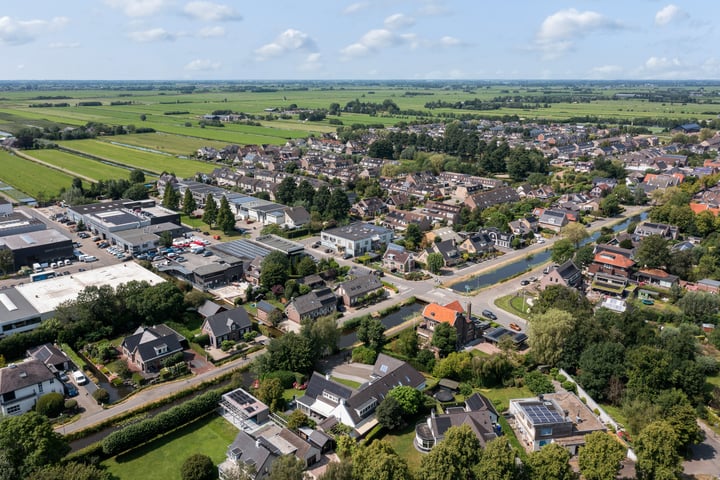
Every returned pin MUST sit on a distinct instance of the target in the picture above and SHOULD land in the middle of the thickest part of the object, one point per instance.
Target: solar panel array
(241, 397)
(542, 414)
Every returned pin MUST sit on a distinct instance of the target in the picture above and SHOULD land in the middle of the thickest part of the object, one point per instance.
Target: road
(705, 456)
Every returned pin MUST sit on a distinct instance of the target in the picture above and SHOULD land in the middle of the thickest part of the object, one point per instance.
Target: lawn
(162, 458)
(347, 383)
(402, 442)
(32, 178)
(79, 165)
(615, 413)
(512, 304)
(164, 142)
(501, 396)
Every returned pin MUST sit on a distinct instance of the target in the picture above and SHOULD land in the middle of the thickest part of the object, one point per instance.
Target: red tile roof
(436, 312)
(455, 306)
(608, 258)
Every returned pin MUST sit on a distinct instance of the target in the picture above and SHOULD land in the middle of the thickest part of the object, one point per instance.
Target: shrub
(198, 467)
(203, 340)
(569, 386)
(227, 345)
(286, 378)
(70, 405)
(123, 370)
(465, 389)
(173, 359)
(51, 404)
(364, 355)
(538, 383)
(138, 379)
(101, 395)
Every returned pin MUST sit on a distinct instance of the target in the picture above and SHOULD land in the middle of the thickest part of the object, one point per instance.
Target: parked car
(524, 282)
(489, 314)
(515, 327)
(80, 378)
(207, 253)
(70, 390)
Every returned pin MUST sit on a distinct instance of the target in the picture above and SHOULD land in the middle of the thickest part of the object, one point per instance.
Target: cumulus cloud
(137, 8)
(311, 63)
(376, 40)
(398, 20)
(211, 12)
(661, 63)
(152, 35)
(355, 8)
(290, 40)
(209, 32)
(558, 31)
(19, 32)
(448, 41)
(64, 45)
(202, 65)
(669, 13)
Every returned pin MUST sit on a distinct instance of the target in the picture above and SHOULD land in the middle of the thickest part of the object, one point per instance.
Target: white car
(80, 378)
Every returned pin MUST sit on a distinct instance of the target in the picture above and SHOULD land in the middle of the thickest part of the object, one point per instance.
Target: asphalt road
(705, 456)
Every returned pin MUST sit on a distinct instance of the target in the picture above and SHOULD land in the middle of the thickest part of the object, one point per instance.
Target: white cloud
(606, 70)
(448, 41)
(433, 8)
(202, 65)
(152, 35)
(211, 12)
(661, 63)
(558, 31)
(64, 45)
(312, 63)
(378, 39)
(137, 8)
(355, 7)
(398, 20)
(290, 40)
(669, 13)
(209, 32)
(18, 32)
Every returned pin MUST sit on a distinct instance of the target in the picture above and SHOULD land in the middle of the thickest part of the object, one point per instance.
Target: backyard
(162, 458)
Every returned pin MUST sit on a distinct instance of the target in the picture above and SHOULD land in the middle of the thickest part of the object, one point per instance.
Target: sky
(364, 39)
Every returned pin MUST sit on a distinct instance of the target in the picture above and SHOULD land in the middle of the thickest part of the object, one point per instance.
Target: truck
(39, 276)
(37, 268)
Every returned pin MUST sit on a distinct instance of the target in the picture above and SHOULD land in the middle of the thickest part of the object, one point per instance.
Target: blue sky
(363, 39)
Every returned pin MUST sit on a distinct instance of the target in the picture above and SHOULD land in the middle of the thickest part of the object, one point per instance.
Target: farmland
(163, 142)
(32, 178)
(79, 165)
(150, 162)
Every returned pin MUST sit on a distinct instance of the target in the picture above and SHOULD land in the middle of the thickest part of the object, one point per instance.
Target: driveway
(705, 456)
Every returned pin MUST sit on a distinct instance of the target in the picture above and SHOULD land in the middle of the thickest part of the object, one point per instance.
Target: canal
(527, 263)
(392, 320)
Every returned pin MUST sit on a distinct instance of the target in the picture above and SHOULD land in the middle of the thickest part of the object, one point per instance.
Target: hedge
(145, 430)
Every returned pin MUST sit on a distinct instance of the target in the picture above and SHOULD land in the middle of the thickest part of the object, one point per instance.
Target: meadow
(32, 178)
(79, 165)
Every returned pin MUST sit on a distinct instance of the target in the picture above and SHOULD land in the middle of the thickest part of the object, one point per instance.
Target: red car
(515, 327)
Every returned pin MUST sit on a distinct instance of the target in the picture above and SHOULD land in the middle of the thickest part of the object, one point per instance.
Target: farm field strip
(82, 166)
(12, 192)
(32, 178)
(150, 162)
(173, 144)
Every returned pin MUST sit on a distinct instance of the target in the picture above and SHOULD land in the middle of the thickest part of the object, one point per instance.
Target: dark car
(489, 314)
(70, 390)
(524, 282)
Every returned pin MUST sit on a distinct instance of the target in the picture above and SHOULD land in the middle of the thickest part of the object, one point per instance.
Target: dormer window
(160, 349)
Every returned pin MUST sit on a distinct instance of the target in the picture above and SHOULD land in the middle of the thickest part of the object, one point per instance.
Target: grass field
(151, 162)
(402, 442)
(162, 458)
(513, 304)
(82, 166)
(32, 178)
(501, 396)
(164, 142)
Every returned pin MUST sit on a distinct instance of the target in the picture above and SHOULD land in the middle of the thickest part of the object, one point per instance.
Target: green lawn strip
(501, 396)
(198, 223)
(165, 142)
(79, 165)
(616, 413)
(509, 434)
(162, 458)
(402, 442)
(512, 304)
(73, 356)
(32, 178)
(291, 393)
(347, 383)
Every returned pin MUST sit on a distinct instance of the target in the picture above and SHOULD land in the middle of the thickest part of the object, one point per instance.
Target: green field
(165, 142)
(151, 162)
(32, 178)
(161, 459)
(79, 165)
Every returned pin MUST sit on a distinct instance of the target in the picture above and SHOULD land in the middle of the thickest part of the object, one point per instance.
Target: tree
(189, 205)
(598, 364)
(453, 458)
(210, 211)
(198, 467)
(379, 461)
(50, 404)
(285, 193)
(562, 251)
(137, 176)
(584, 256)
(71, 471)
(225, 217)
(445, 339)
(297, 419)
(306, 266)
(435, 262)
(275, 317)
(407, 343)
(287, 467)
(27, 443)
(143, 117)
(547, 334)
(497, 462)
(656, 449)
(371, 332)
(323, 333)
(136, 192)
(101, 395)
(171, 198)
(274, 270)
(413, 236)
(699, 306)
(337, 471)
(575, 232)
(7, 260)
(270, 392)
(538, 383)
(338, 206)
(390, 413)
(653, 252)
(291, 352)
(610, 205)
(551, 461)
(409, 398)
(600, 457)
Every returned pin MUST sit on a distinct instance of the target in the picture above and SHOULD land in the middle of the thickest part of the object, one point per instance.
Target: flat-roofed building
(17, 222)
(38, 247)
(356, 239)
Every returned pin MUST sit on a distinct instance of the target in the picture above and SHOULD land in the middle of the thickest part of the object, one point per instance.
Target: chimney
(469, 311)
(327, 376)
(257, 442)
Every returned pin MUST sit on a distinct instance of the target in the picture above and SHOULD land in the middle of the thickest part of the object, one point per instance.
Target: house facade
(396, 258)
(311, 305)
(149, 346)
(451, 314)
(21, 384)
(356, 290)
(356, 239)
(227, 325)
(567, 275)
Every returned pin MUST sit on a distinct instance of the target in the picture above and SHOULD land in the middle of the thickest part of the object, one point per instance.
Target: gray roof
(314, 300)
(266, 307)
(49, 354)
(146, 340)
(258, 453)
(222, 323)
(358, 231)
(242, 249)
(14, 306)
(273, 242)
(209, 308)
(21, 375)
(361, 285)
(34, 239)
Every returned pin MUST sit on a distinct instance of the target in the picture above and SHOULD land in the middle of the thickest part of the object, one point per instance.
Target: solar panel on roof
(240, 397)
(542, 414)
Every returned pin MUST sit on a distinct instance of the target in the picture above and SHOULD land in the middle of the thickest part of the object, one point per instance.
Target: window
(545, 432)
(14, 410)
(40, 387)
(330, 396)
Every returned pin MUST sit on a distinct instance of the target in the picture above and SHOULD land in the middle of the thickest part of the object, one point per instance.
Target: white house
(21, 384)
(356, 239)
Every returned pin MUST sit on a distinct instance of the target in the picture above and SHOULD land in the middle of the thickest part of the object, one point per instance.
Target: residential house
(524, 226)
(149, 346)
(442, 212)
(228, 325)
(370, 207)
(501, 239)
(245, 454)
(311, 305)
(489, 198)
(21, 384)
(656, 277)
(396, 258)
(209, 308)
(356, 290)
(52, 356)
(243, 410)
(399, 220)
(567, 275)
(446, 248)
(356, 239)
(296, 217)
(264, 309)
(612, 261)
(478, 413)
(325, 398)
(668, 232)
(451, 314)
(554, 418)
(553, 220)
(478, 244)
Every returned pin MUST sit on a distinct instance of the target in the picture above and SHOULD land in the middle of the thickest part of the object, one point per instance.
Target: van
(37, 268)
(80, 378)
(67, 262)
(89, 258)
(54, 265)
